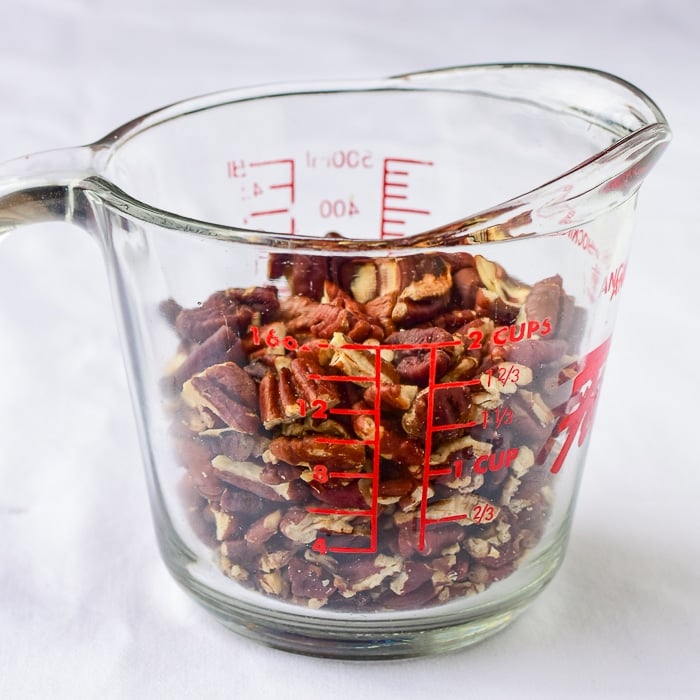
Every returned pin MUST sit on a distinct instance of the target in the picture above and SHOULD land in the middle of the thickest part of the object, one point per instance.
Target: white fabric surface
(87, 609)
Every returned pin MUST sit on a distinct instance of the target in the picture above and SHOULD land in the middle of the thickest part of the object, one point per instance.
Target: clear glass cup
(365, 326)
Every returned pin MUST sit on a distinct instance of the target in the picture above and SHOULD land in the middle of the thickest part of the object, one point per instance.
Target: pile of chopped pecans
(417, 479)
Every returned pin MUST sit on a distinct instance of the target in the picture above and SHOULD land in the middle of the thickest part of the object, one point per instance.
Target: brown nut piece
(414, 366)
(228, 392)
(233, 308)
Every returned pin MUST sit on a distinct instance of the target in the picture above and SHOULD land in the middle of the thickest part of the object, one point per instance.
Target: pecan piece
(427, 292)
(366, 574)
(392, 444)
(451, 406)
(414, 366)
(228, 392)
(310, 582)
(294, 385)
(466, 282)
(233, 308)
(474, 508)
(359, 363)
(413, 575)
(263, 529)
(310, 450)
(338, 312)
(233, 443)
(248, 476)
(305, 274)
(535, 352)
(224, 345)
(544, 300)
(495, 279)
(303, 528)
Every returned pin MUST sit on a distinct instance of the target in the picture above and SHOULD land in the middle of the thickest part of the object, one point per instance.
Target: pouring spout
(41, 187)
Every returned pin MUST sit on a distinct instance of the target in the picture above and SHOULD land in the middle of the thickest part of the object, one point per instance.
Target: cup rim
(596, 172)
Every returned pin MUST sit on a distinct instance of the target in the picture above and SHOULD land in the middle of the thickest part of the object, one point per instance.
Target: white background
(87, 610)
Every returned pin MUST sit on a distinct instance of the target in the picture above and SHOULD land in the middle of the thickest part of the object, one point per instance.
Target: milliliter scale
(357, 187)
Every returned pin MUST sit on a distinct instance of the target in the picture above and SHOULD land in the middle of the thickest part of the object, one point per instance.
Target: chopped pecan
(228, 392)
(354, 362)
(305, 274)
(466, 282)
(263, 529)
(366, 574)
(233, 308)
(357, 277)
(233, 443)
(248, 476)
(495, 279)
(437, 537)
(451, 406)
(273, 583)
(414, 365)
(310, 582)
(426, 283)
(490, 304)
(382, 308)
(535, 352)
(474, 508)
(242, 503)
(287, 394)
(412, 576)
(393, 444)
(309, 450)
(303, 527)
(544, 300)
(222, 346)
(338, 312)
(228, 525)
(338, 494)
(413, 600)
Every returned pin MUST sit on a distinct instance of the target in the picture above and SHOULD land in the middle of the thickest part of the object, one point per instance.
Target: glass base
(366, 646)
(366, 637)
(361, 636)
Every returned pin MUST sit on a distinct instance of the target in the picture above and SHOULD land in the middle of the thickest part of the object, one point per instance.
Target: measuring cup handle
(40, 187)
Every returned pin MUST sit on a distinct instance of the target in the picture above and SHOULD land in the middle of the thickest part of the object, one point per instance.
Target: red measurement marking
(455, 426)
(320, 545)
(349, 475)
(339, 511)
(376, 447)
(269, 212)
(352, 411)
(502, 375)
(343, 441)
(430, 408)
(586, 388)
(481, 513)
(501, 459)
(274, 182)
(440, 472)
(457, 385)
(290, 184)
(395, 212)
(341, 377)
(319, 407)
(447, 519)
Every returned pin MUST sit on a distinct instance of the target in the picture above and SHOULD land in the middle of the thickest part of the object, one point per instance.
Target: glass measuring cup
(364, 414)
